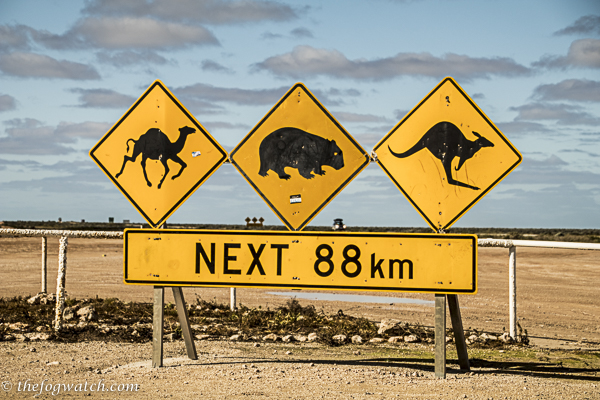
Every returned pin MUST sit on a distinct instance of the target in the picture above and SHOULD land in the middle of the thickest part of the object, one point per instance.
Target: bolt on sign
(157, 154)
(298, 157)
(445, 155)
(302, 260)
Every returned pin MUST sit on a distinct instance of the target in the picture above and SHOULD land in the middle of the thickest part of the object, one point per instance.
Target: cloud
(577, 151)
(307, 61)
(399, 114)
(519, 127)
(586, 25)
(30, 136)
(140, 33)
(301, 33)
(369, 139)
(31, 65)
(564, 114)
(213, 66)
(7, 102)
(14, 37)
(583, 53)
(127, 58)
(360, 118)
(569, 89)
(103, 98)
(335, 97)
(198, 11)
(271, 35)
(212, 125)
(210, 93)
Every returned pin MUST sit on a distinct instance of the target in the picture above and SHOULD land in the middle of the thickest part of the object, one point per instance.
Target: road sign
(303, 260)
(298, 157)
(445, 155)
(157, 154)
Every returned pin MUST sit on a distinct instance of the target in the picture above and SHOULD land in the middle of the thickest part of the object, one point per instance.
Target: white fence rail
(512, 266)
(65, 234)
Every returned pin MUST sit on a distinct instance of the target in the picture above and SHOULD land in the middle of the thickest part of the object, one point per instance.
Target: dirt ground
(558, 299)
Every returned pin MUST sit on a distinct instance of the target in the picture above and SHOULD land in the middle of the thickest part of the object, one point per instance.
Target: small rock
(340, 338)
(256, 344)
(390, 326)
(69, 313)
(312, 337)
(202, 337)
(288, 338)
(235, 338)
(357, 339)
(39, 336)
(170, 337)
(411, 339)
(377, 340)
(506, 338)
(270, 337)
(87, 314)
(357, 353)
(395, 339)
(300, 338)
(288, 352)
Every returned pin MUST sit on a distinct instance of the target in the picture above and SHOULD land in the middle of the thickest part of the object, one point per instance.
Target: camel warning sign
(157, 154)
(298, 157)
(445, 155)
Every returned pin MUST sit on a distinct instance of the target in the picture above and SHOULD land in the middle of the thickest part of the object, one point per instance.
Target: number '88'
(324, 254)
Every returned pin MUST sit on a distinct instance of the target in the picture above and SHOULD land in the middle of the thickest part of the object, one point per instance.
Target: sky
(70, 70)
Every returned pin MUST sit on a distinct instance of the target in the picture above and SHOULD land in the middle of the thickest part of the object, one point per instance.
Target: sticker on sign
(311, 260)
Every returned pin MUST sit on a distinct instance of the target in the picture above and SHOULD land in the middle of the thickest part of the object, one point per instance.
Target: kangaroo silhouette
(155, 145)
(445, 141)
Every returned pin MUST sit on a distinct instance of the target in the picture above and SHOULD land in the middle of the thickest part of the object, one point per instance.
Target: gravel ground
(226, 370)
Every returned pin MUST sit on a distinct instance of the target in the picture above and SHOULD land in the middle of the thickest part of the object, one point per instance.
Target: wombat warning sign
(298, 158)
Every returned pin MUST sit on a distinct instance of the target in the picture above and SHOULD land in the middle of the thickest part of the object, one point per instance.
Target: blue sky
(70, 70)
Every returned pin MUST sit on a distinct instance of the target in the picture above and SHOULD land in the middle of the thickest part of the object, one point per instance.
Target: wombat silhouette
(295, 148)
(445, 141)
(155, 145)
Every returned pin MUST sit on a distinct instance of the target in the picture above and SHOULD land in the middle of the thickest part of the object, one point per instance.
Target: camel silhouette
(155, 145)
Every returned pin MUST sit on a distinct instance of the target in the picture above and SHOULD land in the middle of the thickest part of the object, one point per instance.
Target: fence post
(60, 283)
(232, 299)
(44, 264)
(512, 290)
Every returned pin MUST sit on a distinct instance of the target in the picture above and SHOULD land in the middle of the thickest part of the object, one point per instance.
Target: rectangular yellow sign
(302, 260)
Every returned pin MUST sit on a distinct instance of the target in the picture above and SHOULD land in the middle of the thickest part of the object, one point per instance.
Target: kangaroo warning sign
(157, 154)
(298, 157)
(445, 155)
(302, 260)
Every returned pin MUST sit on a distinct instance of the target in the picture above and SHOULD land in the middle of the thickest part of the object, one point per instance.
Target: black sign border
(472, 238)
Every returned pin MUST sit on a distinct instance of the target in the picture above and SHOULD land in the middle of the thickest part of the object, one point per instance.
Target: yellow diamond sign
(157, 154)
(445, 155)
(298, 157)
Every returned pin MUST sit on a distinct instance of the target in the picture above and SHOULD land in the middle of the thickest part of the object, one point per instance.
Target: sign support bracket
(459, 333)
(184, 322)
